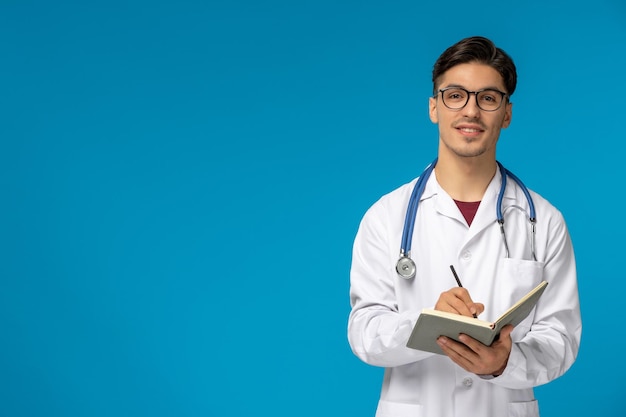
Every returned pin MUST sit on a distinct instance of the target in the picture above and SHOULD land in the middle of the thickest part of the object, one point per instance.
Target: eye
(455, 95)
(490, 97)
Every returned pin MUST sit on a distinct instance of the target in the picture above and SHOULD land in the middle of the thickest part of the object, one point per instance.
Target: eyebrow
(480, 89)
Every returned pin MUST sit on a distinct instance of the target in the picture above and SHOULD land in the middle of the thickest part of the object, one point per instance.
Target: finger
(480, 308)
(470, 308)
(457, 300)
(462, 302)
(481, 359)
(473, 344)
(458, 352)
(460, 307)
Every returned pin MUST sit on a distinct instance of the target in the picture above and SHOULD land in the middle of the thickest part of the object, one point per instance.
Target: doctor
(455, 224)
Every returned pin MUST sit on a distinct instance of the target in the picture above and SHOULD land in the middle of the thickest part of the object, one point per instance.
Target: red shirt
(468, 210)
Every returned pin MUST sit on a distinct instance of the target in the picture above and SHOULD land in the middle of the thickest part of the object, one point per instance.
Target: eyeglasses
(455, 98)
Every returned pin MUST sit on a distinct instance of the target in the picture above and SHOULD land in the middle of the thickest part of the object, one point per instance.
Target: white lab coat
(385, 307)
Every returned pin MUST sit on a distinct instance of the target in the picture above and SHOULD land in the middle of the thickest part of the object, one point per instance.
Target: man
(455, 224)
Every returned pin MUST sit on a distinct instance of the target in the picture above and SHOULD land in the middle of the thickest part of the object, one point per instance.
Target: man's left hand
(477, 358)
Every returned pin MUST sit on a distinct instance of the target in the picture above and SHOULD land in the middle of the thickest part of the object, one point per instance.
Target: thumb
(506, 331)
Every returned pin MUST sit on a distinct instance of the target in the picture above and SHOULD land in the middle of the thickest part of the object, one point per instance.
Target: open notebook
(433, 323)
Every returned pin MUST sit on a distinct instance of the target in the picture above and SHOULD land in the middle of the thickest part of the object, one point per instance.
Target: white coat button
(466, 255)
(467, 382)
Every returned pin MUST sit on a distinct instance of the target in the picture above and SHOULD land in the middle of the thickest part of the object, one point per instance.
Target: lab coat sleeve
(377, 331)
(549, 349)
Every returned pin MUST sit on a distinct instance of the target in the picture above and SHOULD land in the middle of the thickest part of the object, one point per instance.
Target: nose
(471, 109)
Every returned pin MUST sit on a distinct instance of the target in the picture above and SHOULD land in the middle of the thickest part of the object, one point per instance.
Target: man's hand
(457, 300)
(477, 358)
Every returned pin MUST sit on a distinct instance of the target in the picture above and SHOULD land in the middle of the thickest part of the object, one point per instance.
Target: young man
(455, 224)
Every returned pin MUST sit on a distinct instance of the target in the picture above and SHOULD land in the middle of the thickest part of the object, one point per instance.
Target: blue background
(182, 181)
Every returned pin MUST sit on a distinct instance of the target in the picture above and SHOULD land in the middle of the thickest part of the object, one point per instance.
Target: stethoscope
(405, 265)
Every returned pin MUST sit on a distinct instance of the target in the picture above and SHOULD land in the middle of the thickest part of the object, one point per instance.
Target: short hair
(480, 50)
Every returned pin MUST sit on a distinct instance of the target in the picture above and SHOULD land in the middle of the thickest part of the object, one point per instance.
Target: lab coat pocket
(516, 277)
(395, 409)
(524, 409)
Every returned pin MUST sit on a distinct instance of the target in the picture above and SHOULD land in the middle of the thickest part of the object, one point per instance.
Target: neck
(465, 179)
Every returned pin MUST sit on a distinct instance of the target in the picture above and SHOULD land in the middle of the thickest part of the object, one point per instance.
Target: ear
(508, 114)
(432, 110)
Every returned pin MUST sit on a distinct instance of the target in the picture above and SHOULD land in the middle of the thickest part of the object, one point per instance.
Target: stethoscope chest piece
(405, 267)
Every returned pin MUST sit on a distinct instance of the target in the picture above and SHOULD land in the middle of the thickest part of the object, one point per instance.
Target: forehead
(473, 76)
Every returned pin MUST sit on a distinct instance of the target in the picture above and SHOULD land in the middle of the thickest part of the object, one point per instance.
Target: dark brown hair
(476, 49)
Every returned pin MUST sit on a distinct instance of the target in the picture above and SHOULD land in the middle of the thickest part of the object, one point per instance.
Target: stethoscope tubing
(411, 213)
(504, 173)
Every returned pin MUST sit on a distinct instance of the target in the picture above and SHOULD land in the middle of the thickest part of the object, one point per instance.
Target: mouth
(469, 129)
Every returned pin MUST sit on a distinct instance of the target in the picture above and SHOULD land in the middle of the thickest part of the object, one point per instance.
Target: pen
(458, 281)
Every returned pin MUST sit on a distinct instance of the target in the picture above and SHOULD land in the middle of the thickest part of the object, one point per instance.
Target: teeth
(468, 130)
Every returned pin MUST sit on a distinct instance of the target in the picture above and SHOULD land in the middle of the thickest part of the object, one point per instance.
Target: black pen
(458, 281)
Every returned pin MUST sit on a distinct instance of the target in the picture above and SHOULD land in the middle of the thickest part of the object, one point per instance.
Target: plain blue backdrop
(182, 181)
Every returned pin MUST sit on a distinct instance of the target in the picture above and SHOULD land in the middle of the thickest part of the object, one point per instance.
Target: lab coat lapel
(444, 204)
(486, 214)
